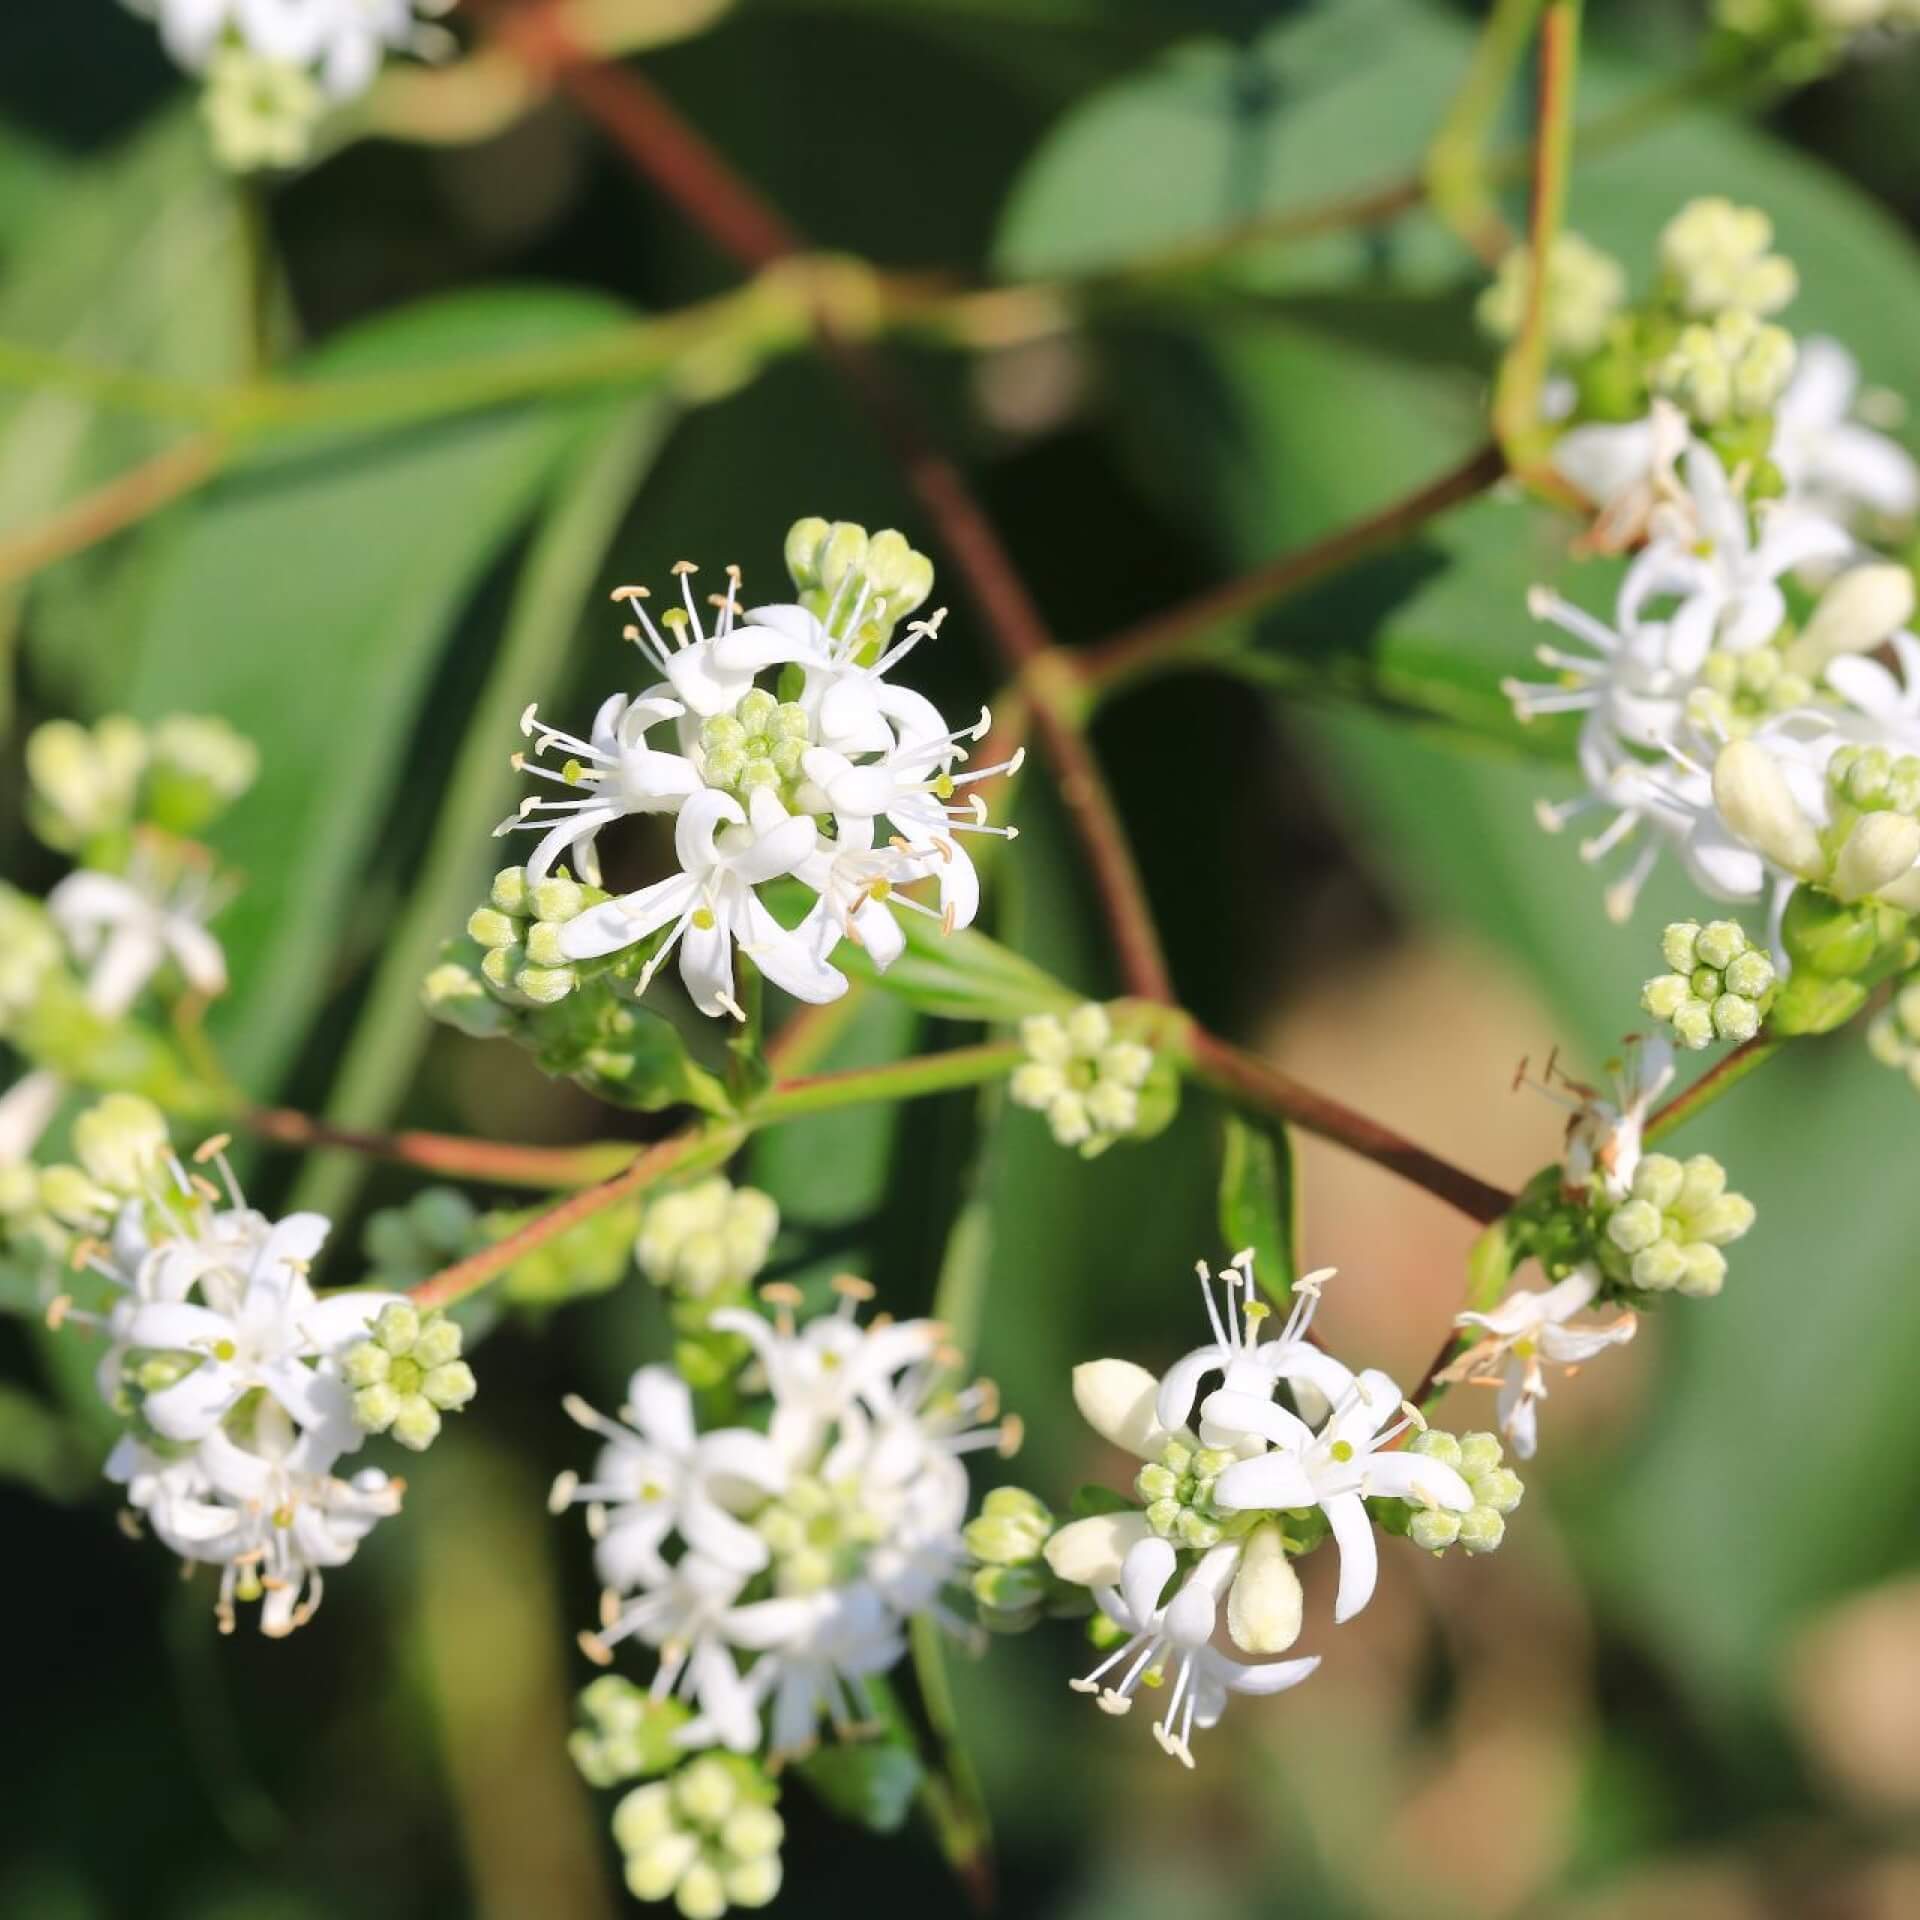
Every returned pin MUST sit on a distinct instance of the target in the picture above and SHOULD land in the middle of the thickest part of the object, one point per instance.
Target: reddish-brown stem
(1712, 1084)
(655, 1163)
(457, 1157)
(1246, 1078)
(1162, 634)
(125, 499)
(677, 159)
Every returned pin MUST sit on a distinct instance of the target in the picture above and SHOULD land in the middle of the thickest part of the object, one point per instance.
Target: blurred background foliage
(1692, 1680)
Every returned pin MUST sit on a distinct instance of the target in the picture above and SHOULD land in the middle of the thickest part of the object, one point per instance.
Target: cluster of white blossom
(1753, 705)
(837, 778)
(275, 67)
(235, 1379)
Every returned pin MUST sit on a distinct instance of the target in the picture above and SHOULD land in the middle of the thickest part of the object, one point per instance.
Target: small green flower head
(1734, 369)
(85, 781)
(122, 1143)
(1666, 1236)
(1718, 257)
(627, 1735)
(406, 1373)
(708, 1837)
(708, 1241)
(1720, 987)
(1010, 1530)
(1479, 1460)
(859, 586)
(1086, 1080)
(1585, 289)
(1893, 1036)
(197, 767)
(457, 995)
(30, 953)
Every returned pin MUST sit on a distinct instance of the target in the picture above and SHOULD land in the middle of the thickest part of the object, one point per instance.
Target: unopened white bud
(1881, 847)
(1264, 1602)
(1091, 1552)
(1860, 611)
(1757, 804)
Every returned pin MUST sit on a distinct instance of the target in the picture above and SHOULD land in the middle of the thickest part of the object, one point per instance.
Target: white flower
(1173, 1633)
(725, 851)
(1829, 460)
(1085, 1081)
(1338, 1469)
(709, 674)
(128, 928)
(257, 1325)
(1527, 1333)
(343, 41)
(259, 112)
(616, 773)
(1726, 581)
(270, 1513)
(1604, 1136)
(659, 1475)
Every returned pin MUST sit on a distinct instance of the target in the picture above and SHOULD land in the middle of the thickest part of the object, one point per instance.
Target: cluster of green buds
(1013, 1587)
(1734, 368)
(1719, 984)
(579, 1019)
(1702, 337)
(1480, 1460)
(628, 1734)
(30, 954)
(519, 931)
(406, 1374)
(92, 785)
(707, 1241)
(119, 1144)
(593, 1257)
(404, 1244)
(1893, 1035)
(1666, 1235)
(758, 746)
(1585, 288)
(838, 568)
(707, 1837)
(1176, 1490)
(1092, 1085)
(1739, 691)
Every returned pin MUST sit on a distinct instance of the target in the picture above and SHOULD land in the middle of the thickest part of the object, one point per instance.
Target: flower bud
(1264, 1603)
(1659, 1268)
(1482, 1530)
(1758, 805)
(1433, 1529)
(1436, 1443)
(1857, 613)
(1116, 1398)
(449, 1386)
(1499, 1488)
(417, 1423)
(546, 986)
(1881, 847)
(121, 1141)
(753, 1883)
(1090, 1552)
(1665, 994)
(1705, 1271)
(655, 1868)
(1678, 944)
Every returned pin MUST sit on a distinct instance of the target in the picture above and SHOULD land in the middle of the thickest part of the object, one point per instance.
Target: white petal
(1359, 1559)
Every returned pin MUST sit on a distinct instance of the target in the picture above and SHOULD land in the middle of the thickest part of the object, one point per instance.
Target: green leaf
(1259, 1202)
(960, 976)
(308, 601)
(589, 497)
(872, 1782)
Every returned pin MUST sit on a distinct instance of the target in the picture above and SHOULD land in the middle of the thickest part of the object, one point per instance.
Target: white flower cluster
(1081, 1076)
(1234, 1483)
(838, 779)
(1732, 710)
(227, 1368)
(274, 67)
(773, 1572)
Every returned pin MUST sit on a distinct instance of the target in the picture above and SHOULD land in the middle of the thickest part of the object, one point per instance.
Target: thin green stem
(1523, 370)
(1716, 1081)
(1457, 176)
(897, 1080)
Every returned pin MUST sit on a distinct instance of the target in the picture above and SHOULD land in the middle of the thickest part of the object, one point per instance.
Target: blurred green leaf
(960, 976)
(590, 496)
(870, 1781)
(1259, 1201)
(308, 601)
(40, 1450)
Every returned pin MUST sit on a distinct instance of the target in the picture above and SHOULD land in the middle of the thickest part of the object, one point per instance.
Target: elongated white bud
(1756, 802)
(1116, 1399)
(1881, 847)
(1857, 613)
(1264, 1605)
(1091, 1552)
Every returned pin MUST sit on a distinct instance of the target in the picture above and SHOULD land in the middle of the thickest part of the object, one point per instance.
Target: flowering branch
(1718, 1079)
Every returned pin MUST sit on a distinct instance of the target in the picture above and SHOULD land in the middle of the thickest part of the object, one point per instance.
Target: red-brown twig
(456, 1156)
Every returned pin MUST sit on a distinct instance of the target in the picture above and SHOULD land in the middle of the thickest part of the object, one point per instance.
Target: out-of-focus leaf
(308, 602)
(960, 976)
(39, 1450)
(589, 498)
(158, 225)
(1259, 1201)
(872, 1782)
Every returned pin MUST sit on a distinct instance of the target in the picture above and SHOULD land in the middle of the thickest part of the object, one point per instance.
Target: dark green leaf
(1259, 1203)
(871, 1781)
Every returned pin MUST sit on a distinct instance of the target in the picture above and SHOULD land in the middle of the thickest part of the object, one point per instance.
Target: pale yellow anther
(560, 1494)
(596, 1649)
(850, 1286)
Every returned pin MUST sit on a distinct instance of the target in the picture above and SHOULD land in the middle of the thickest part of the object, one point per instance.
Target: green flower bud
(1433, 1529)
(438, 1341)
(122, 1142)
(73, 1199)
(705, 1791)
(1704, 983)
(1750, 974)
(1705, 1271)
(1720, 941)
(499, 965)
(557, 899)
(416, 1424)
(702, 1893)
(751, 1831)
(1734, 1018)
(457, 996)
(1658, 1180)
(1435, 1443)
(543, 944)
(1009, 1589)
(449, 1387)
(197, 765)
(1500, 1489)
(754, 1883)
(508, 893)
(1722, 1221)
(1482, 1530)
(1480, 1454)
(644, 1816)
(1703, 1180)
(1693, 1024)
(1660, 1267)
(1635, 1226)
(1665, 994)
(654, 1870)
(376, 1407)
(1677, 945)
(545, 986)
(365, 1364)
(397, 1326)
(491, 928)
